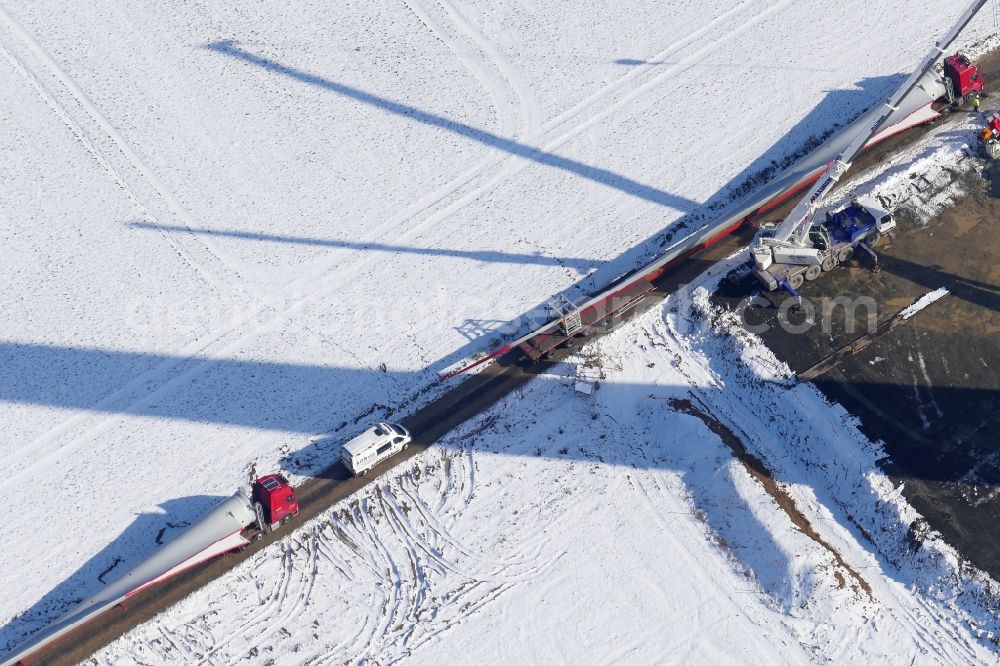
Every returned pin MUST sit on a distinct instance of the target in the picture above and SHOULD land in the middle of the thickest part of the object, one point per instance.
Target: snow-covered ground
(231, 230)
(616, 528)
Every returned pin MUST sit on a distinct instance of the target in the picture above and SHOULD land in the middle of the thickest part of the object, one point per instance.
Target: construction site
(928, 389)
(791, 388)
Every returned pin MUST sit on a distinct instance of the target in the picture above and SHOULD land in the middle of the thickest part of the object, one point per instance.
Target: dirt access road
(468, 398)
(465, 400)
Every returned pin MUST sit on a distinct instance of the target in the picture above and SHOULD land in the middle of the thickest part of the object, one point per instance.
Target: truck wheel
(796, 281)
(829, 263)
(258, 536)
(364, 472)
(813, 272)
(286, 519)
(845, 254)
(405, 446)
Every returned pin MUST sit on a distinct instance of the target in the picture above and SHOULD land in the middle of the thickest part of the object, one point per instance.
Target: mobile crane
(800, 247)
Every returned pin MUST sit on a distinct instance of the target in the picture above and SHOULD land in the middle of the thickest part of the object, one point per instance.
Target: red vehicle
(962, 78)
(274, 504)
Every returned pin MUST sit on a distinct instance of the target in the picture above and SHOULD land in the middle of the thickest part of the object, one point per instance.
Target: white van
(373, 446)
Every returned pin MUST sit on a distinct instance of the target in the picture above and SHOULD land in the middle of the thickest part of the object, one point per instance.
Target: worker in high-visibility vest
(974, 98)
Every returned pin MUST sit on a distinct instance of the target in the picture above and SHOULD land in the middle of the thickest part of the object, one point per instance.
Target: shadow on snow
(581, 265)
(339, 401)
(600, 175)
(146, 533)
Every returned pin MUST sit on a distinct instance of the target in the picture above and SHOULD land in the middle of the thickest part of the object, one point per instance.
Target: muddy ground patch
(930, 388)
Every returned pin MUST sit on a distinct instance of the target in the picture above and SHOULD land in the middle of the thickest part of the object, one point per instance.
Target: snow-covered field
(230, 231)
(617, 528)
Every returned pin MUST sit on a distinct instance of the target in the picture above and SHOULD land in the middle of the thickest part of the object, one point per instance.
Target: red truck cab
(964, 75)
(277, 498)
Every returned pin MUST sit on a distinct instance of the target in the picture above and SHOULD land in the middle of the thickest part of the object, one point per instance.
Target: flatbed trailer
(598, 315)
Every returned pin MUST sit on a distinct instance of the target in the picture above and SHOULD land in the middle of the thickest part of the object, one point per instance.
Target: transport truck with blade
(232, 525)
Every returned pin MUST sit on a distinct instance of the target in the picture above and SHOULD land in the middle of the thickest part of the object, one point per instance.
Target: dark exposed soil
(929, 388)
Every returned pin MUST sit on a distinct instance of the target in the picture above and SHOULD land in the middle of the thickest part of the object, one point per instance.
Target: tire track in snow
(122, 146)
(27, 452)
(391, 577)
(89, 143)
(316, 286)
(305, 580)
(353, 643)
(425, 543)
(771, 7)
(441, 532)
(412, 545)
(260, 615)
(454, 196)
(291, 593)
(507, 166)
(528, 552)
(419, 586)
(477, 65)
(529, 108)
(650, 65)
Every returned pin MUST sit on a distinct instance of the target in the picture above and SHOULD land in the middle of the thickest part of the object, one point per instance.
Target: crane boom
(794, 228)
